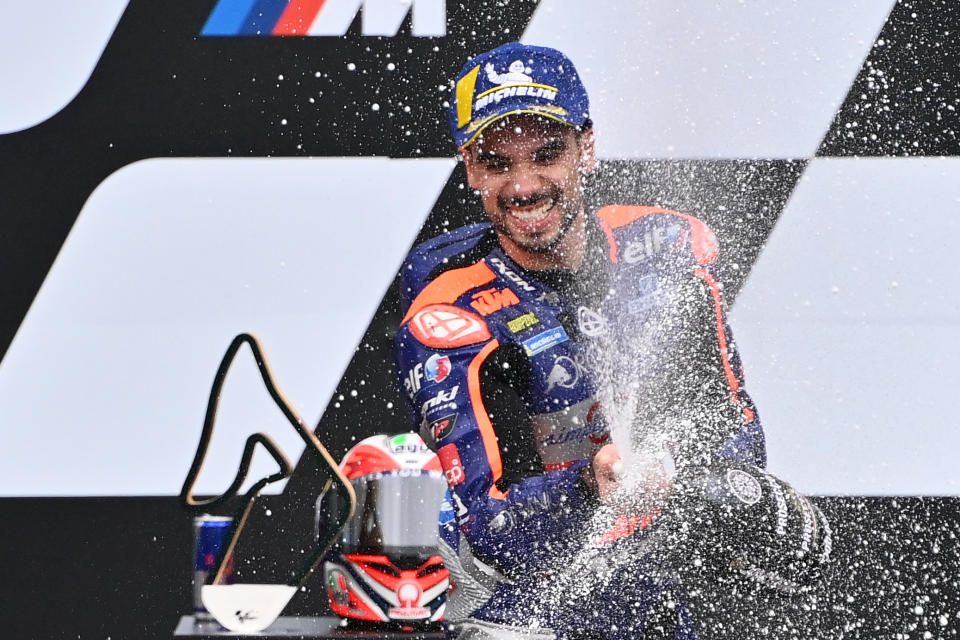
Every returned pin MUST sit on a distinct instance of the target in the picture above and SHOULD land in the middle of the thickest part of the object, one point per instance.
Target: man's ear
(468, 164)
(588, 152)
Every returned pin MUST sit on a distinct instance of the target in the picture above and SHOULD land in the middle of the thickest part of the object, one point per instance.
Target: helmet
(386, 567)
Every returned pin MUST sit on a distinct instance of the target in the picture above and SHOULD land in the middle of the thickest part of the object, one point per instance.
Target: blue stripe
(227, 17)
(263, 17)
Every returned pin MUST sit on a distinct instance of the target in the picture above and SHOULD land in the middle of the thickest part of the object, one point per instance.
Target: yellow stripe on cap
(465, 88)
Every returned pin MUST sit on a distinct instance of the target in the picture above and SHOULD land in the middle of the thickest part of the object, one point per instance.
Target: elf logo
(325, 17)
(436, 369)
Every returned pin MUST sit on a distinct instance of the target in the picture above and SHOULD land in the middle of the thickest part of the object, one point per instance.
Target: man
(527, 341)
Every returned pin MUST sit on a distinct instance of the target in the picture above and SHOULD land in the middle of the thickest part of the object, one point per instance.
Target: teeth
(532, 215)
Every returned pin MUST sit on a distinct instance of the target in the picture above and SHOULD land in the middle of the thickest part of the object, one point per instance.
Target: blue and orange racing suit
(505, 370)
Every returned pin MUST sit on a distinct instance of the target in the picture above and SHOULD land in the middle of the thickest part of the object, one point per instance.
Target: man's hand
(638, 490)
(607, 471)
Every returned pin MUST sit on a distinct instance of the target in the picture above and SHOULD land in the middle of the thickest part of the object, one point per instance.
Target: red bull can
(210, 537)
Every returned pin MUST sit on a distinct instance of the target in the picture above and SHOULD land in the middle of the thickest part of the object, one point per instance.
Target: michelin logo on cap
(516, 78)
(516, 74)
(533, 91)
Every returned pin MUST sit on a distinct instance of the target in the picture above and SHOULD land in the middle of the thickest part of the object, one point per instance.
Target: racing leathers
(518, 377)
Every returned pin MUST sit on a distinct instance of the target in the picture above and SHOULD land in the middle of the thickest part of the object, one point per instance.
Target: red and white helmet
(386, 567)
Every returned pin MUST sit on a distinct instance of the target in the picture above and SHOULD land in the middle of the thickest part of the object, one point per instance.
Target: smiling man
(557, 326)
(526, 170)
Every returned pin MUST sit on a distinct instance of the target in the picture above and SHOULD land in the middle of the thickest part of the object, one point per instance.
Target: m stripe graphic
(324, 17)
(297, 17)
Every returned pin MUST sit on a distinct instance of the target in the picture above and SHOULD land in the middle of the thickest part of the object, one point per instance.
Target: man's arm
(513, 514)
(725, 503)
(690, 394)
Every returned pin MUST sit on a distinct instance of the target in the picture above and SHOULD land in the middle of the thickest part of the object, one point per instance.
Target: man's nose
(525, 180)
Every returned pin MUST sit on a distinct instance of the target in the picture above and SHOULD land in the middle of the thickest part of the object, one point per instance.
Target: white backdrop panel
(47, 52)
(104, 388)
(694, 79)
(849, 325)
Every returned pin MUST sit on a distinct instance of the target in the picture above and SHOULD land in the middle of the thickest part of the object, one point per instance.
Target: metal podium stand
(302, 627)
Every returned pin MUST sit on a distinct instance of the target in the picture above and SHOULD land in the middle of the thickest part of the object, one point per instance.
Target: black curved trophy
(253, 606)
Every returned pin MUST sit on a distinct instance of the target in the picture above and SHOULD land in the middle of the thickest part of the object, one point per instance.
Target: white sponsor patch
(781, 506)
(770, 579)
(444, 398)
(565, 373)
(510, 274)
(591, 323)
(647, 246)
(809, 522)
(827, 544)
(516, 73)
(744, 486)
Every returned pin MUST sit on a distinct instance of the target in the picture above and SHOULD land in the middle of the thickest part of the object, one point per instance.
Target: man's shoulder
(455, 248)
(435, 275)
(437, 318)
(645, 233)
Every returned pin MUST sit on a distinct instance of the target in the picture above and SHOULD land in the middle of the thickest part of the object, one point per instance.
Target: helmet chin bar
(254, 607)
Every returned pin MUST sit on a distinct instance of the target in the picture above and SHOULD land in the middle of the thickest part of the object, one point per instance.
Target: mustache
(529, 200)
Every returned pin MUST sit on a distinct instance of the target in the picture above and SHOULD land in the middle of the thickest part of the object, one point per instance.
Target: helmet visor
(397, 513)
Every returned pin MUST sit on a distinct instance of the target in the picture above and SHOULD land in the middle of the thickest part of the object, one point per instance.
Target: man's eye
(496, 165)
(548, 156)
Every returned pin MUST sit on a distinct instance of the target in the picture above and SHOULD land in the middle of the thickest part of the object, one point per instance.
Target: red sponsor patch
(592, 412)
(704, 243)
(445, 326)
(438, 368)
(442, 427)
(596, 438)
(625, 526)
(452, 467)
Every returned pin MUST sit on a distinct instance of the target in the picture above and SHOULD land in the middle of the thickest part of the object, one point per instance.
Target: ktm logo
(325, 17)
(490, 300)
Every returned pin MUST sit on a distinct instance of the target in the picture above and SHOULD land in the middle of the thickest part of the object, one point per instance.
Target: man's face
(528, 172)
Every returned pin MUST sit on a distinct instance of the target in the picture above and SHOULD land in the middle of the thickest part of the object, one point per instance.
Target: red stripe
(450, 285)
(488, 435)
(703, 243)
(722, 335)
(297, 17)
(626, 525)
(615, 216)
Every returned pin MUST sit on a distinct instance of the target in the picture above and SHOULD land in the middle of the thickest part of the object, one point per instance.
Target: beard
(570, 214)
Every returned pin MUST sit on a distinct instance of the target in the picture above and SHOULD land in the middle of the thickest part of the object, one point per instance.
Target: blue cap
(516, 78)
